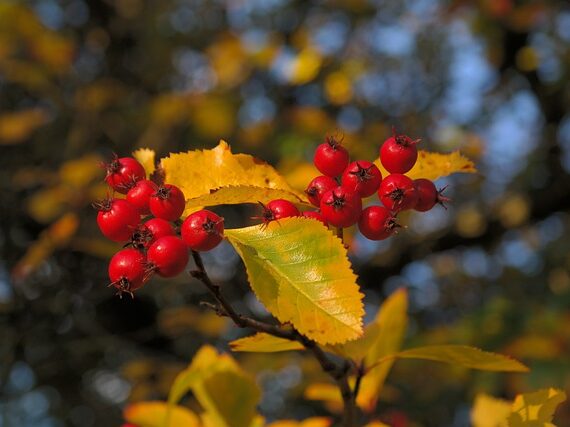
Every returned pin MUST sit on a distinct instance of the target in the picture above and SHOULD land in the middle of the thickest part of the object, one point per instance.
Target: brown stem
(338, 373)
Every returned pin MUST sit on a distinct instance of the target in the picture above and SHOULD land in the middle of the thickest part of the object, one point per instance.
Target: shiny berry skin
(377, 223)
(278, 209)
(167, 202)
(398, 193)
(127, 271)
(428, 195)
(139, 195)
(341, 207)
(123, 173)
(167, 256)
(117, 219)
(202, 230)
(363, 177)
(149, 232)
(319, 186)
(331, 158)
(315, 215)
(399, 153)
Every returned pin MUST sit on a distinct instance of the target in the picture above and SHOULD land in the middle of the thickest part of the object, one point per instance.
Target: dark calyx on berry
(404, 140)
(333, 142)
(337, 202)
(363, 174)
(163, 192)
(123, 286)
(209, 226)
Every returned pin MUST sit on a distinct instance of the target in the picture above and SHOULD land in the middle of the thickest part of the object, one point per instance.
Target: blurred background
(80, 80)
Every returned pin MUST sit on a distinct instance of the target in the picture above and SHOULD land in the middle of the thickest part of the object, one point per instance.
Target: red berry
(397, 192)
(123, 173)
(203, 230)
(149, 232)
(139, 195)
(319, 186)
(315, 215)
(127, 271)
(399, 153)
(167, 202)
(363, 177)
(377, 223)
(278, 209)
(331, 158)
(167, 256)
(117, 219)
(428, 195)
(341, 207)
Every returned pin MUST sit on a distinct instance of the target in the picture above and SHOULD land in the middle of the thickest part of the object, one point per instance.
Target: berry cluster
(338, 193)
(148, 221)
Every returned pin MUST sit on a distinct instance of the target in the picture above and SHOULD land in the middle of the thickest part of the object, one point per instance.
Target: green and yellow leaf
(300, 271)
(264, 343)
(536, 409)
(217, 176)
(153, 414)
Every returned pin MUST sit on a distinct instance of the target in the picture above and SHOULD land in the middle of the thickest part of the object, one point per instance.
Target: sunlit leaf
(146, 157)
(264, 343)
(300, 271)
(153, 414)
(490, 412)
(212, 177)
(18, 126)
(536, 409)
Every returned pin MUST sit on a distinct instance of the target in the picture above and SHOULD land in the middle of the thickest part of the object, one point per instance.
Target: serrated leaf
(146, 157)
(465, 356)
(300, 271)
(217, 176)
(490, 412)
(153, 414)
(436, 165)
(536, 409)
(264, 343)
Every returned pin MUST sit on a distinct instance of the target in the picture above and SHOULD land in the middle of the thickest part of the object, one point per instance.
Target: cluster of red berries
(148, 221)
(338, 193)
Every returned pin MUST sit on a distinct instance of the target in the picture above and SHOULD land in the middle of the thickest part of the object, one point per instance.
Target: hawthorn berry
(149, 232)
(331, 158)
(315, 215)
(377, 223)
(399, 153)
(167, 256)
(127, 271)
(167, 202)
(278, 209)
(139, 195)
(398, 193)
(319, 186)
(363, 177)
(123, 173)
(202, 230)
(428, 195)
(117, 219)
(341, 207)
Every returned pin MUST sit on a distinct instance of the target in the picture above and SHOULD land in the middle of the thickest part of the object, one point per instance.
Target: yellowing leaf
(17, 126)
(436, 165)
(468, 357)
(213, 177)
(300, 271)
(153, 414)
(146, 158)
(536, 409)
(264, 343)
(490, 412)
(309, 422)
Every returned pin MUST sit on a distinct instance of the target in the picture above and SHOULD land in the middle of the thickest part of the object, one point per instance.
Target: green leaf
(300, 271)
(264, 343)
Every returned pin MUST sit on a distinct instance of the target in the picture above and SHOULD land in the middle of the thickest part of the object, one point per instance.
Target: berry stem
(340, 233)
(338, 372)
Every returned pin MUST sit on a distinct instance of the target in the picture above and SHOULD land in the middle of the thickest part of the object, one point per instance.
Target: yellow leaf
(146, 157)
(309, 422)
(327, 393)
(436, 165)
(376, 424)
(305, 66)
(536, 409)
(17, 126)
(153, 414)
(300, 271)
(490, 412)
(212, 177)
(264, 343)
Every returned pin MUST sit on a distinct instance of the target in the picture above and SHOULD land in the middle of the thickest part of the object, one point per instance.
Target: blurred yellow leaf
(178, 321)
(228, 60)
(327, 393)
(81, 172)
(153, 414)
(305, 66)
(490, 412)
(536, 409)
(54, 51)
(146, 157)
(376, 424)
(214, 116)
(338, 88)
(264, 343)
(217, 176)
(16, 127)
(309, 422)
(47, 204)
